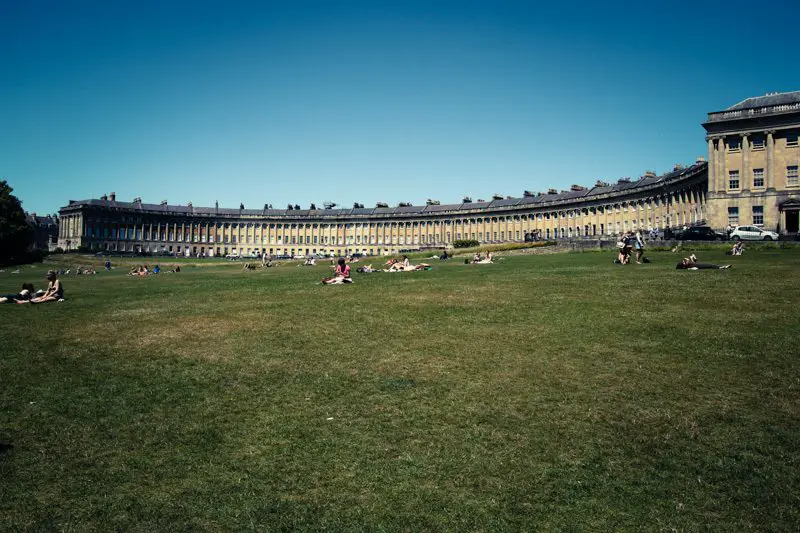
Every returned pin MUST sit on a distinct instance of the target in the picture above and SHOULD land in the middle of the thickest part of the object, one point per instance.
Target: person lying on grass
(54, 292)
(406, 266)
(23, 295)
(340, 275)
(691, 263)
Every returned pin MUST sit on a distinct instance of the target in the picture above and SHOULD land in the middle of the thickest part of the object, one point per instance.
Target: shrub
(465, 243)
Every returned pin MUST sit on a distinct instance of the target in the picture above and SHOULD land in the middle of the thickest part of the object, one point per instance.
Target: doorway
(792, 221)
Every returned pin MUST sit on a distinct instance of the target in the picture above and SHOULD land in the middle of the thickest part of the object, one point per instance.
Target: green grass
(545, 392)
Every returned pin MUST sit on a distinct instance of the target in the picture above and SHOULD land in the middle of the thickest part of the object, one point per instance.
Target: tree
(15, 233)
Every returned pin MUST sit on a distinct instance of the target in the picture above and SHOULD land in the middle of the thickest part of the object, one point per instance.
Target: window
(758, 143)
(733, 216)
(734, 145)
(791, 176)
(733, 179)
(758, 215)
(791, 139)
(758, 177)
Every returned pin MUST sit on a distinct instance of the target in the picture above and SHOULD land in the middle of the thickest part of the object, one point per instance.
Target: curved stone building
(673, 199)
(754, 142)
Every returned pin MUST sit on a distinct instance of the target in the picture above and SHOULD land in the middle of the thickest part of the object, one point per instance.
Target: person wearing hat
(54, 292)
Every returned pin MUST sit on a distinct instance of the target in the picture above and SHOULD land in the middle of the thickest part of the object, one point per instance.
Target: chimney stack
(113, 197)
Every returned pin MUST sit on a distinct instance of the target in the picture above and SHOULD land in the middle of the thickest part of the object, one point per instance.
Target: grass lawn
(546, 392)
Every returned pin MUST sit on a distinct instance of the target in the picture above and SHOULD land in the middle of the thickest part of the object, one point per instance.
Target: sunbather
(691, 263)
(340, 275)
(26, 293)
(54, 292)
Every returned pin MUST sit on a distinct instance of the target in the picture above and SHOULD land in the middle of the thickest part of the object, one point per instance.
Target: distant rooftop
(770, 99)
(622, 187)
(758, 106)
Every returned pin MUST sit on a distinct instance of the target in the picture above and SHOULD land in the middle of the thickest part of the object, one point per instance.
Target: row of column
(660, 211)
(717, 163)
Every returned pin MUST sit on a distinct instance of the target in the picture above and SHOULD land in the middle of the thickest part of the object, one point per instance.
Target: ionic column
(745, 174)
(712, 163)
(722, 171)
(768, 179)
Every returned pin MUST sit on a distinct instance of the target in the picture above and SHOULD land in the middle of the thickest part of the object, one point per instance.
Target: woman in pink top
(340, 275)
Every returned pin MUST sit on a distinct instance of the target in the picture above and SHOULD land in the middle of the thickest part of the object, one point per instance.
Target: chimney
(700, 159)
(112, 197)
(552, 191)
(104, 198)
(577, 188)
(649, 174)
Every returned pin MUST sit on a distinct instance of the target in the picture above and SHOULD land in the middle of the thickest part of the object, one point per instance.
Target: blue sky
(300, 102)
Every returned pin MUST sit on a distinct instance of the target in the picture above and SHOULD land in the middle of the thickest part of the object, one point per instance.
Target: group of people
(628, 242)
(477, 259)
(144, 270)
(535, 235)
(80, 270)
(404, 265)
(53, 293)
(341, 272)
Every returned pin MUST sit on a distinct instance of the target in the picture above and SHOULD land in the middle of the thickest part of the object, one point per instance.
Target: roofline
(684, 174)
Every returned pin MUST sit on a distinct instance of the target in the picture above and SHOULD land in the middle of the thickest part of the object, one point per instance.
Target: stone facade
(674, 199)
(44, 231)
(753, 157)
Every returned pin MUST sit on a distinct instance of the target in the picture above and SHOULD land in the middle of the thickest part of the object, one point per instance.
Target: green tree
(15, 233)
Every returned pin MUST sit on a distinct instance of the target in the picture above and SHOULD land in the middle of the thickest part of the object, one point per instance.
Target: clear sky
(292, 101)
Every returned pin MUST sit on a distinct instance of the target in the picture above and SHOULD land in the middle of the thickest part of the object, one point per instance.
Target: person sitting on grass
(23, 295)
(691, 263)
(738, 248)
(340, 275)
(54, 292)
(486, 260)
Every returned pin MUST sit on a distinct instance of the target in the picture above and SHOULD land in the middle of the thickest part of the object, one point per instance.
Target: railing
(749, 113)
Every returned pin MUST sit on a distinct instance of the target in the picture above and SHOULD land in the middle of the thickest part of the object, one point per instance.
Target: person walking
(639, 246)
